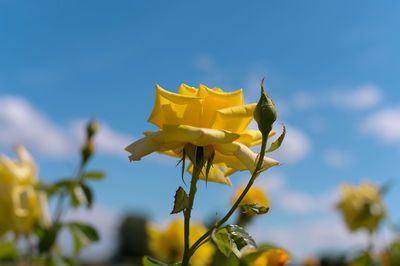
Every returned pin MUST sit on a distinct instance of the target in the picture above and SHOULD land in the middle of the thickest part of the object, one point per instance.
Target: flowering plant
(208, 126)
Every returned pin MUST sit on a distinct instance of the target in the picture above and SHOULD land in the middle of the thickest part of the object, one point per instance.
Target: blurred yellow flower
(168, 245)
(272, 257)
(205, 117)
(361, 207)
(255, 195)
(20, 204)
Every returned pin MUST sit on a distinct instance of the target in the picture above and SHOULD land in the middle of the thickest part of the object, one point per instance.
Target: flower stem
(187, 213)
(237, 202)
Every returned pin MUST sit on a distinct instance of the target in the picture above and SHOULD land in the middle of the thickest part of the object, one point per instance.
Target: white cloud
(362, 97)
(22, 123)
(304, 203)
(358, 98)
(295, 147)
(306, 100)
(384, 125)
(337, 158)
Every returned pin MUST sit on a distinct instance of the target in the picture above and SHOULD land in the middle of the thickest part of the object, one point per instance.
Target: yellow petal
(149, 144)
(235, 119)
(187, 90)
(172, 108)
(245, 156)
(215, 175)
(197, 136)
(230, 161)
(252, 137)
(215, 100)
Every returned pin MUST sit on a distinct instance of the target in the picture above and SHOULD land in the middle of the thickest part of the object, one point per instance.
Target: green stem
(237, 202)
(187, 213)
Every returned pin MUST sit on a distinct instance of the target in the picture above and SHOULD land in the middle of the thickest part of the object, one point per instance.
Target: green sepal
(277, 143)
(181, 201)
(208, 165)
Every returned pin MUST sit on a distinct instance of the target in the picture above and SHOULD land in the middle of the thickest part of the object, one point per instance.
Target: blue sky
(331, 67)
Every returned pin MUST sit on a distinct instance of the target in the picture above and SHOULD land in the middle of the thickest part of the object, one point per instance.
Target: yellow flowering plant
(168, 246)
(20, 202)
(255, 202)
(209, 127)
(24, 211)
(361, 206)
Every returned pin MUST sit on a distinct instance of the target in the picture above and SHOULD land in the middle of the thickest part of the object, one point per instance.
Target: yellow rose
(168, 245)
(255, 195)
(361, 207)
(20, 204)
(272, 257)
(205, 117)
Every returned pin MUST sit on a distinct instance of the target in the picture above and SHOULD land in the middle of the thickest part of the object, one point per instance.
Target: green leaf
(277, 143)
(88, 194)
(148, 261)
(181, 201)
(222, 240)
(82, 235)
(7, 251)
(251, 257)
(239, 240)
(78, 196)
(48, 238)
(89, 231)
(254, 207)
(95, 175)
(59, 261)
(63, 184)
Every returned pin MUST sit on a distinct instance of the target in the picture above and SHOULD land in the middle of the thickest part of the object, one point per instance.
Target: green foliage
(7, 251)
(255, 208)
(148, 261)
(47, 237)
(181, 201)
(94, 175)
(60, 261)
(233, 238)
(83, 235)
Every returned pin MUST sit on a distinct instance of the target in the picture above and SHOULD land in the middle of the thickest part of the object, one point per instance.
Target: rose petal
(235, 119)
(197, 136)
(172, 108)
(215, 174)
(245, 156)
(215, 100)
